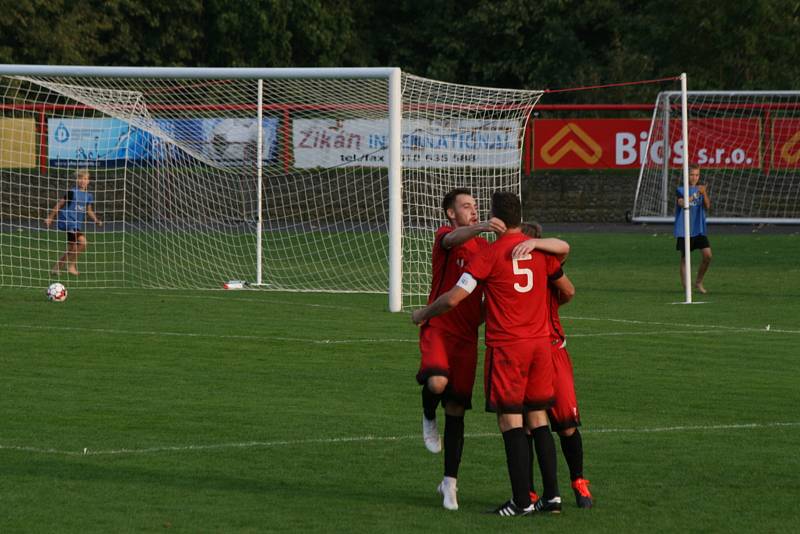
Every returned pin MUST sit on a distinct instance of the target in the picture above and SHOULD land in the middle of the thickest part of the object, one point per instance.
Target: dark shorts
(73, 236)
(698, 241)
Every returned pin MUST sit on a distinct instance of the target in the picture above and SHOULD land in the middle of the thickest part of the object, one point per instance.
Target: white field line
(709, 327)
(365, 439)
(241, 298)
(125, 332)
(114, 331)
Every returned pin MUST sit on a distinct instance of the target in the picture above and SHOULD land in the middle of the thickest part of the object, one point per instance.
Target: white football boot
(430, 433)
(447, 488)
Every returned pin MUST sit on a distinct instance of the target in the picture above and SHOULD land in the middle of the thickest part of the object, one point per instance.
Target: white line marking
(653, 333)
(681, 325)
(265, 300)
(86, 451)
(112, 331)
(199, 335)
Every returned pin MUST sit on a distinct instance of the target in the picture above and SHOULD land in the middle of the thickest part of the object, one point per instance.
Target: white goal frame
(664, 99)
(394, 101)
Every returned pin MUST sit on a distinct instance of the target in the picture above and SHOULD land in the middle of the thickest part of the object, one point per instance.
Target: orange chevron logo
(590, 156)
(790, 151)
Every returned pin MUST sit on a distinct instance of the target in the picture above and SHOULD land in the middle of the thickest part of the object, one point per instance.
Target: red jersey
(448, 266)
(516, 290)
(556, 330)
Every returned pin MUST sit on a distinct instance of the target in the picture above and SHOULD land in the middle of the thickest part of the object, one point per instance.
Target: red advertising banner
(724, 143)
(786, 143)
(622, 143)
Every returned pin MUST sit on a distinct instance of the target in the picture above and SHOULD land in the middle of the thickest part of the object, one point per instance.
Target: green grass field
(251, 411)
(201, 259)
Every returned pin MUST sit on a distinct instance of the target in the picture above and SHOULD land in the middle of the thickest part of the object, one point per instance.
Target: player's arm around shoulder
(559, 280)
(551, 245)
(446, 301)
(566, 289)
(463, 234)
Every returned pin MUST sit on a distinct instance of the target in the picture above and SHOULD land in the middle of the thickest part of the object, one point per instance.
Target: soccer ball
(57, 292)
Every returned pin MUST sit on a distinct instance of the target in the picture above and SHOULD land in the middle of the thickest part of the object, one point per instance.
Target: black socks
(430, 401)
(546, 454)
(572, 447)
(518, 458)
(453, 444)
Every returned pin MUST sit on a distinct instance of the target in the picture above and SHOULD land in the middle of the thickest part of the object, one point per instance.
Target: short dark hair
(507, 207)
(694, 167)
(449, 200)
(532, 229)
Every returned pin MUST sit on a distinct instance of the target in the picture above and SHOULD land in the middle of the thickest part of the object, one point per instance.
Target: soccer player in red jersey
(518, 371)
(564, 415)
(449, 344)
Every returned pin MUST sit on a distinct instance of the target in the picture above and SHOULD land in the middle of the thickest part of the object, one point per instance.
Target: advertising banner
(17, 143)
(112, 142)
(329, 143)
(786, 143)
(622, 143)
(87, 142)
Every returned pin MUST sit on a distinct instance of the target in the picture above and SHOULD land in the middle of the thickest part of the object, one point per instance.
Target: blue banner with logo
(112, 142)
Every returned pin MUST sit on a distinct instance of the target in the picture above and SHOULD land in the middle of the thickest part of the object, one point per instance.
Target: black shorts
(698, 241)
(73, 235)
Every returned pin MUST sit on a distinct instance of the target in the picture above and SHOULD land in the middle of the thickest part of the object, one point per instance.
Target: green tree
(145, 33)
(280, 33)
(50, 31)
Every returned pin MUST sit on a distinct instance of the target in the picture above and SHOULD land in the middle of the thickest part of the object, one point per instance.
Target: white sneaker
(447, 488)
(430, 433)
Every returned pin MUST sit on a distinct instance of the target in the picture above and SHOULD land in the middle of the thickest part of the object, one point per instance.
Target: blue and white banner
(87, 141)
(112, 142)
(425, 143)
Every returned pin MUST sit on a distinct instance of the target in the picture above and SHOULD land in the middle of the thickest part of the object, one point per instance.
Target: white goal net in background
(747, 145)
(175, 157)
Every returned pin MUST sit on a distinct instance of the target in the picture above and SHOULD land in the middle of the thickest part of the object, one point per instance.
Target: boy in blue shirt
(699, 203)
(71, 210)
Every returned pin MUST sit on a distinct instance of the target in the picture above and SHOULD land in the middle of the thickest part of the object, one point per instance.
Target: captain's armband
(467, 283)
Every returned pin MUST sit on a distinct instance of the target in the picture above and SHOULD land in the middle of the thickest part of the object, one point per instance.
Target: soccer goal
(747, 144)
(292, 179)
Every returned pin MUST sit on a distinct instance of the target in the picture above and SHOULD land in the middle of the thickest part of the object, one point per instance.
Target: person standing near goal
(449, 344)
(699, 204)
(564, 415)
(71, 210)
(518, 368)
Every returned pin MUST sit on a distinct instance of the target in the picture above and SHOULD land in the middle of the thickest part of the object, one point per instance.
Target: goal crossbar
(209, 73)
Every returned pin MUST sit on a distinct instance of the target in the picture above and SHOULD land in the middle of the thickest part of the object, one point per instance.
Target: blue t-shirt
(697, 214)
(72, 216)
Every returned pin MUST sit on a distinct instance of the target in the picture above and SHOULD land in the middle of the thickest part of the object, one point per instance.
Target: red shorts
(518, 377)
(564, 412)
(443, 354)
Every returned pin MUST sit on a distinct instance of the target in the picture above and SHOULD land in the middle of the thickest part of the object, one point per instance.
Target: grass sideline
(212, 411)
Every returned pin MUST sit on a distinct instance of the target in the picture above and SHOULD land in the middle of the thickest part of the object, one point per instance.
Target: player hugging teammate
(517, 277)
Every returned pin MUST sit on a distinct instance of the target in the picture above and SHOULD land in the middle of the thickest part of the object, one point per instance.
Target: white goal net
(196, 183)
(747, 145)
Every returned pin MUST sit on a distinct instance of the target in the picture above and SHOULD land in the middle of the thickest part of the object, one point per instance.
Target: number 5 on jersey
(523, 271)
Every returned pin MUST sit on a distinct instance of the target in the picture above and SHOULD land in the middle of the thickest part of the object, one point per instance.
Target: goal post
(317, 179)
(746, 143)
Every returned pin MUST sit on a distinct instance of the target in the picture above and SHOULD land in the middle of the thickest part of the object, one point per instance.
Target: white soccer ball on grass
(57, 292)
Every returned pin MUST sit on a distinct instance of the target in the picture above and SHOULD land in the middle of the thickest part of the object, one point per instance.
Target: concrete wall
(578, 196)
